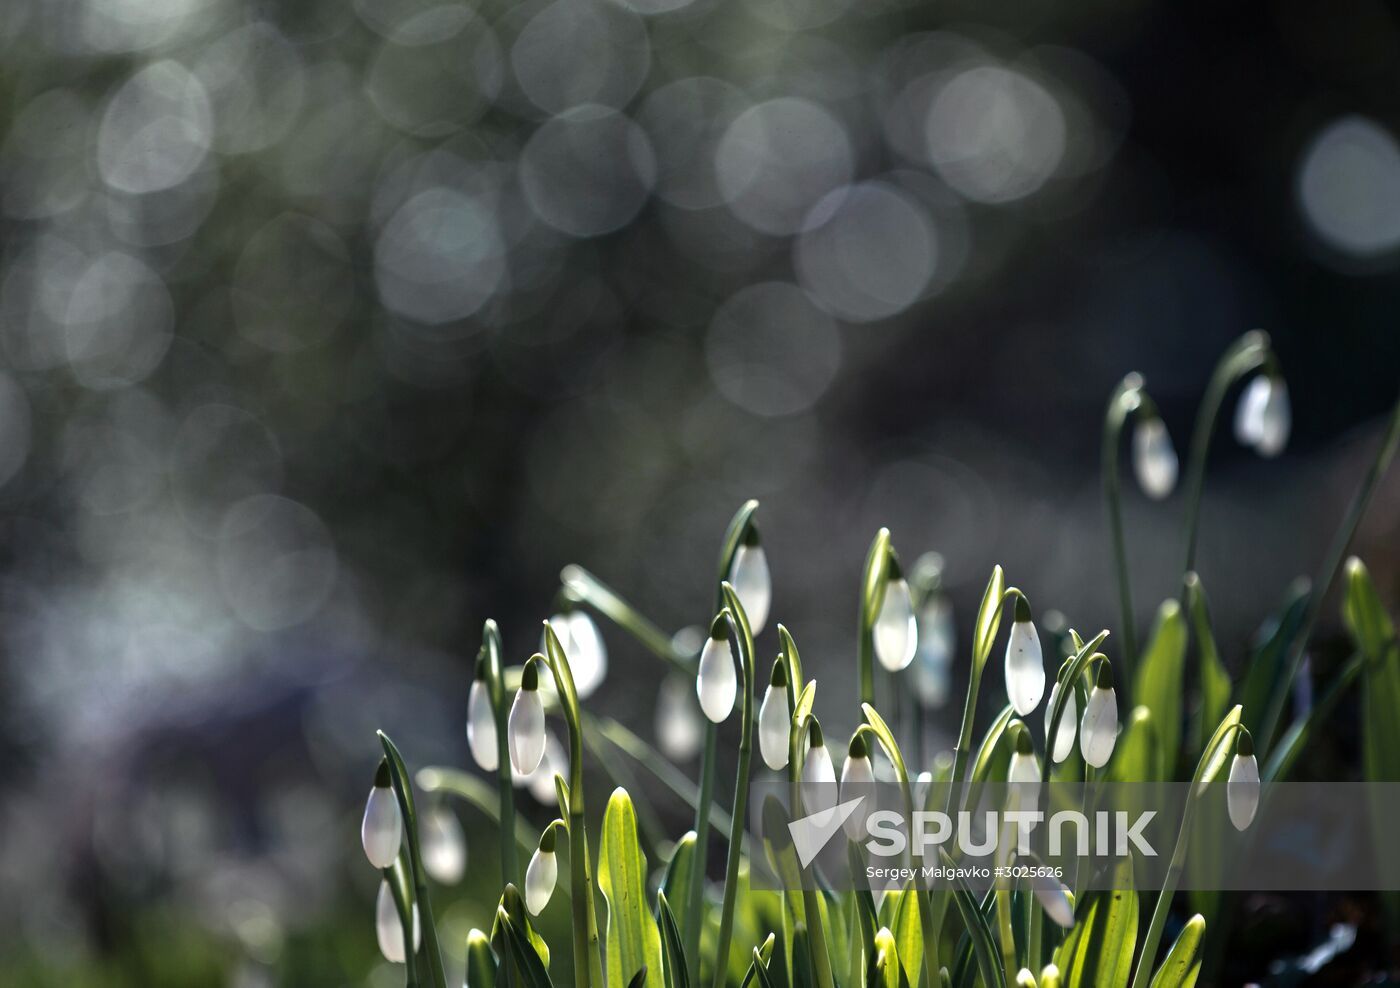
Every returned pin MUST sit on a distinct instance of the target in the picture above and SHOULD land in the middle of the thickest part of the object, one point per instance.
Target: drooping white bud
(387, 928)
(1275, 419)
(1098, 731)
(1023, 772)
(444, 846)
(896, 631)
(716, 681)
(1069, 722)
(540, 782)
(1249, 412)
(775, 720)
(857, 781)
(679, 729)
(1242, 787)
(481, 726)
(381, 831)
(584, 647)
(542, 874)
(1025, 663)
(818, 778)
(525, 728)
(1053, 897)
(749, 576)
(1154, 459)
(933, 659)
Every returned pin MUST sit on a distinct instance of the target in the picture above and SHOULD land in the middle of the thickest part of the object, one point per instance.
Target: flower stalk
(877, 563)
(490, 656)
(1125, 400)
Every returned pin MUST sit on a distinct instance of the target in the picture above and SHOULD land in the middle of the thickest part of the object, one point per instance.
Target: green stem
(1246, 354)
(1125, 400)
(877, 562)
(586, 588)
(403, 905)
(741, 635)
(500, 709)
(1341, 543)
(811, 909)
(695, 895)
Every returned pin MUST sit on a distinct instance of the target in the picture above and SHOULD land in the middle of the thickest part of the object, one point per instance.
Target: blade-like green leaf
(676, 881)
(1138, 755)
(1158, 684)
(908, 933)
(1098, 952)
(512, 906)
(758, 967)
(633, 939)
(884, 963)
(639, 979)
(984, 947)
(1215, 681)
(1265, 675)
(481, 963)
(988, 620)
(673, 953)
(1182, 965)
(523, 960)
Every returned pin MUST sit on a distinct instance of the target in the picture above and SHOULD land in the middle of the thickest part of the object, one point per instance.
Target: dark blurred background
(329, 329)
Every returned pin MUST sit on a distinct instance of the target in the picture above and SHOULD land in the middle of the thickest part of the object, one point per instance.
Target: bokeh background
(329, 329)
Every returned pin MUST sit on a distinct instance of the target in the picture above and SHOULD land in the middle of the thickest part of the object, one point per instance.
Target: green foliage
(1158, 685)
(634, 941)
(1182, 965)
(1098, 952)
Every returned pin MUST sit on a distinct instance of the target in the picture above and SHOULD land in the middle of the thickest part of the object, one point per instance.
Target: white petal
(857, 780)
(1098, 732)
(525, 731)
(540, 878)
(1275, 420)
(752, 582)
(1154, 459)
(381, 831)
(1025, 668)
(540, 782)
(716, 682)
(589, 659)
(896, 631)
(481, 727)
(1069, 721)
(774, 725)
(1023, 778)
(387, 928)
(819, 784)
(1249, 413)
(679, 729)
(444, 846)
(934, 656)
(1242, 791)
(1054, 899)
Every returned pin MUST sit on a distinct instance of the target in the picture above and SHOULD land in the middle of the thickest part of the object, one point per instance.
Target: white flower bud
(387, 928)
(444, 846)
(1025, 663)
(1249, 412)
(541, 874)
(896, 631)
(749, 576)
(933, 659)
(583, 646)
(1098, 731)
(858, 780)
(818, 778)
(1154, 459)
(679, 729)
(481, 727)
(525, 728)
(1069, 720)
(540, 782)
(1023, 772)
(1242, 787)
(1275, 419)
(775, 720)
(381, 831)
(716, 681)
(1054, 899)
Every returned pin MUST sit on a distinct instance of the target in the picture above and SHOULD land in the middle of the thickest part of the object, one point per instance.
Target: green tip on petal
(1023, 608)
(815, 735)
(779, 674)
(1104, 678)
(751, 535)
(858, 747)
(547, 838)
(1244, 744)
(530, 678)
(719, 627)
(893, 571)
(1021, 737)
(382, 779)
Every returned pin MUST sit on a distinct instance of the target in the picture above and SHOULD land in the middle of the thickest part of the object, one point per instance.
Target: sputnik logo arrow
(813, 832)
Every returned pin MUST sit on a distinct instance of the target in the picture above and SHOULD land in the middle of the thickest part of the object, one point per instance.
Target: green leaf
(884, 963)
(908, 932)
(877, 564)
(675, 883)
(758, 970)
(481, 963)
(1265, 675)
(1182, 965)
(988, 620)
(986, 755)
(1138, 755)
(1158, 684)
(639, 979)
(1370, 627)
(522, 958)
(1292, 742)
(1215, 681)
(1098, 952)
(512, 906)
(677, 975)
(634, 941)
(983, 943)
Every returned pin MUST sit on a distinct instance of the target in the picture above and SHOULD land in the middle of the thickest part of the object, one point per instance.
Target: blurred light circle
(113, 452)
(588, 171)
(439, 257)
(867, 251)
(136, 25)
(771, 351)
(15, 431)
(34, 302)
(118, 323)
(44, 166)
(166, 216)
(156, 130)
(777, 159)
(994, 134)
(581, 51)
(256, 86)
(1349, 187)
(420, 80)
(686, 120)
(798, 15)
(275, 561)
(221, 455)
(650, 8)
(292, 287)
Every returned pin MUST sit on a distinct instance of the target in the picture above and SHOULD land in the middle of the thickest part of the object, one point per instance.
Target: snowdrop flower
(389, 930)
(540, 782)
(1263, 418)
(775, 720)
(818, 777)
(542, 874)
(1023, 773)
(896, 631)
(716, 681)
(381, 832)
(444, 846)
(858, 781)
(1098, 731)
(679, 729)
(749, 576)
(1069, 719)
(1025, 663)
(1242, 788)
(1054, 899)
(583, 645)
(525, 729)
(481, 723)
(1154, 459)
(934, 658)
